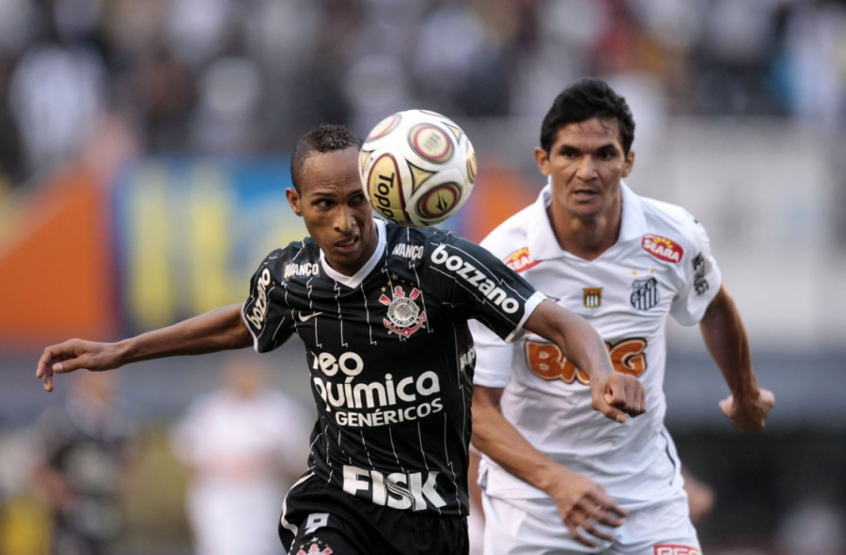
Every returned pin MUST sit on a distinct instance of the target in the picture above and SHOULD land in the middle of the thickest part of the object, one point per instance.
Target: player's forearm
(577, 339)
(726, 340)
(218, 330)
(497, 438)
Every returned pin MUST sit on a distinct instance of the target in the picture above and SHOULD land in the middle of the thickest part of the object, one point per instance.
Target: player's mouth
(584, 195)
(347, 245)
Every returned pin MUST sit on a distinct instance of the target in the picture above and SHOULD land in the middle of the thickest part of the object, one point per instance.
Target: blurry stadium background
(143, 155)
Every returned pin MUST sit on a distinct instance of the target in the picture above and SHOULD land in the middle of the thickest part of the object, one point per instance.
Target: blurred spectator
(11, 149)
(458, 62)
(82, 452)
(815, 525)
(813, 68)
(164, 93)
(226, 120)
(57, 96)
(244, 444)
(201, 75)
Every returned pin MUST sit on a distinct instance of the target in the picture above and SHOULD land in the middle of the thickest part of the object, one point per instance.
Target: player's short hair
(321, 139)
(588, 98)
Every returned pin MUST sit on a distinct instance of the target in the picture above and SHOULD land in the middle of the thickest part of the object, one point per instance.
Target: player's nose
(344, 219)
(586, 169)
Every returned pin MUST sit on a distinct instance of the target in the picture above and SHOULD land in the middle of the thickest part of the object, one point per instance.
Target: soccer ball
(417, 168)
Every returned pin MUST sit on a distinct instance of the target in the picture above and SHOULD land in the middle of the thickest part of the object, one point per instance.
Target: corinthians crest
(404, 316)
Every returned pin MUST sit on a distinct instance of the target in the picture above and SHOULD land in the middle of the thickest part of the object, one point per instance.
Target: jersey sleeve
(701, 279)
(493, 357)
(265, 311)
(483, 287)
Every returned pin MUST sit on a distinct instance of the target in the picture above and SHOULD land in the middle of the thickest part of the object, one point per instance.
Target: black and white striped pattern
(393, 410)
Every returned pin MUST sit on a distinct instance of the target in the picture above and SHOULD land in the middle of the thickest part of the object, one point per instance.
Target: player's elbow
(720, 305)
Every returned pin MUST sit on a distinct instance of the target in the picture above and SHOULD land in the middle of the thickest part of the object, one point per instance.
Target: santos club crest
(404, 316)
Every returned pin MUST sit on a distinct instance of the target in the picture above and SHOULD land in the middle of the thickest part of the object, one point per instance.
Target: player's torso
(390, 373)
(625, 294)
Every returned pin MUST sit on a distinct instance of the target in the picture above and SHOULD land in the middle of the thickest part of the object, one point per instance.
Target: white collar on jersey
(542, 242)
(356, 279)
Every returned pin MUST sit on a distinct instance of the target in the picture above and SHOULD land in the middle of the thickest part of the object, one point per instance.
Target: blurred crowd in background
(148, 84)
(249, 76)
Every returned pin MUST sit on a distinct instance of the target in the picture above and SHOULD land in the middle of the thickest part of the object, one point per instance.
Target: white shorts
(534, 527)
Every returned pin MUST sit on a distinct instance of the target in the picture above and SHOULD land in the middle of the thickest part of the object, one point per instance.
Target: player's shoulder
(297, 259)
(415, 243)
(511, 235)
(665, 219)
(408, 244)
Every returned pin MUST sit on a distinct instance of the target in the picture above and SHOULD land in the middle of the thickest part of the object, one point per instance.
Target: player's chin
(348, 249)
(587, 210)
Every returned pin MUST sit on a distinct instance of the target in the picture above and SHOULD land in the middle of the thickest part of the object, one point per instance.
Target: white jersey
(661, 264)
(240, 450)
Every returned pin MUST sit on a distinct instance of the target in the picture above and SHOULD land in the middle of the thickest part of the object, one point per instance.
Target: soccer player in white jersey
(624, 263)
(382, 310)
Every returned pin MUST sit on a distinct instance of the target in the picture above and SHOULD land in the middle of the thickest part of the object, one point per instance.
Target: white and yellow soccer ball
(417, 168)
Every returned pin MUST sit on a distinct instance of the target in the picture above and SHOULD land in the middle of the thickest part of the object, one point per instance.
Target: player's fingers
(625, 393)
(591, 529)
(615, 392)
(609, 411)
(70, 365)
(607, 517)
(633, 400)
(768, 399)
(641, 401)
(605, 503)
(576, 532)
(48, 382)
(726, 406)
(44, 363)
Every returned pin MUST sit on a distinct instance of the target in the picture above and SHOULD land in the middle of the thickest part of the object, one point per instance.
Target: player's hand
(749, 414)
(74, 355)
(583, 504)
(618, 395)
(700, 498)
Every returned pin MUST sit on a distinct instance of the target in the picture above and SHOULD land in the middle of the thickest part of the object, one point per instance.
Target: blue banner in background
(190, 232)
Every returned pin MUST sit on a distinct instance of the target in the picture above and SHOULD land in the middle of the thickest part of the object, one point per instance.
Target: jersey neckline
(355, 280)
(543, 245)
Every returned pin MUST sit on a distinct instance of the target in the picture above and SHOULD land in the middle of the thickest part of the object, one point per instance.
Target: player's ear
(294, 200)
(542, 158)
(629, 163)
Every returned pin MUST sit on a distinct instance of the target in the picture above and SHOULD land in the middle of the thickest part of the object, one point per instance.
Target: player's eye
(323, 203)
(570, 153)
(606, 154)
(357, 199)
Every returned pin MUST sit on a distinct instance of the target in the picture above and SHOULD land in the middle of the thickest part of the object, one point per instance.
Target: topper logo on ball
(417, 168)
(384, 188)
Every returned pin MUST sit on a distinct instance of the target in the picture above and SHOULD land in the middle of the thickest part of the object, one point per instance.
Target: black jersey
(89, 453)
(391, 357)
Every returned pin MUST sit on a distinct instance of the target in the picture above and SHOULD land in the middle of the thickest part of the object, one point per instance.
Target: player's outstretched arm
(613, 394)
(217, 330)
(581, 502)
(725, 336)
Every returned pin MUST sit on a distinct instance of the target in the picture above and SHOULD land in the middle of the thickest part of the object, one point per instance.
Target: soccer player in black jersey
(382, 310)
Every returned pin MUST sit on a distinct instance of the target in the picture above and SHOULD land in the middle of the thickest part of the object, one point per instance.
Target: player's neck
(586, 238)
(351, 268)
